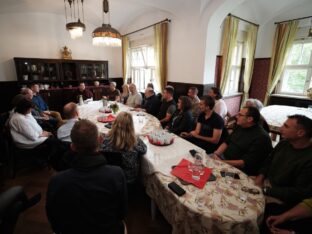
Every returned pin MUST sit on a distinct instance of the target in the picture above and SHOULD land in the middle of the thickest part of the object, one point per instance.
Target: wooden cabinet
(59, 72)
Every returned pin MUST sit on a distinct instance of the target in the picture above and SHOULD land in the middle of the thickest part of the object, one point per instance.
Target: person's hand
(272, 221)
(193, 133)
(45, 134)
(47, 112)
(280, 231)
(259, 180)
(216, 157)
(185, 134)
(45, 117)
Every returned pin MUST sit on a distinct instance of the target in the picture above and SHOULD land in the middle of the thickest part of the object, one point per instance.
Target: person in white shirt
(25, 131)
(220, 106)
(71, 113)
(135, 98)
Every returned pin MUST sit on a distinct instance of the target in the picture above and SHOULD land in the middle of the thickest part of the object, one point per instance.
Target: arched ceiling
(122, 12)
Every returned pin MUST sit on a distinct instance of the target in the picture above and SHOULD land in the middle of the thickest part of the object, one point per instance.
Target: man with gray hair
(113, 93)
(151, 103)
(70, 112)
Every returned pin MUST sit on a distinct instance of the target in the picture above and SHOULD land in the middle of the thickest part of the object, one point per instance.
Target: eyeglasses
(239, 114)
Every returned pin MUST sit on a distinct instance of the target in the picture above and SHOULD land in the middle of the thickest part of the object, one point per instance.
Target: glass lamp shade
(75, 29)
(106, 36)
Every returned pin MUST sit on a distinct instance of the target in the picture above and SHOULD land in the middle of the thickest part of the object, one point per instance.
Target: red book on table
(181, 171)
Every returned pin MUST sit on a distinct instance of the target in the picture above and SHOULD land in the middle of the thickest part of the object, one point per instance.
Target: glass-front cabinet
(60, 72)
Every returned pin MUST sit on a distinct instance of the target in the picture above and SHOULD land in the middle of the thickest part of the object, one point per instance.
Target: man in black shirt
(91, 197)
(168, 106)
(151, 103)
(249, 145)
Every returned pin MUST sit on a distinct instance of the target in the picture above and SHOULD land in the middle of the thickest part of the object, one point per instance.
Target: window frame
(307, 67)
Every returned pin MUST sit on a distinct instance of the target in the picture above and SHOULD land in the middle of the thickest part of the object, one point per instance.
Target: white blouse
(220, 108)
(25, 131)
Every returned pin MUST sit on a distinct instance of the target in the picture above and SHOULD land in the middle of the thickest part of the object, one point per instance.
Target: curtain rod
(163, 21)
(243, 20)
(293, 19)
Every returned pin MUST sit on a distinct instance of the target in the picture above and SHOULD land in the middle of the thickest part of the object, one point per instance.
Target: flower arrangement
(309, 93)
(114, 106)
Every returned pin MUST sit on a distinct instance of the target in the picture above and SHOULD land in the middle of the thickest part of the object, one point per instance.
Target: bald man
(71, 113)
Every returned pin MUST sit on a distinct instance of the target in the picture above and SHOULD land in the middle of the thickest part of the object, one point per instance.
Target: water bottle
(80, 100)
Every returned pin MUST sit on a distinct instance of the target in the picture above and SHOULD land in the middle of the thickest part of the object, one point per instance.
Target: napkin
(106, 119)
(181, 171)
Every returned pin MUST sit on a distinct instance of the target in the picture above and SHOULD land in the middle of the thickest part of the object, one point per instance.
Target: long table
(223, 212)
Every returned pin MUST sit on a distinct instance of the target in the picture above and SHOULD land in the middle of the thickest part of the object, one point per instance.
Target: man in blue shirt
(42, 107)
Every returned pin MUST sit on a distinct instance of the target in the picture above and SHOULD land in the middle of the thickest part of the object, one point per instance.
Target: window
(142, 66)
(232, 85)
(296, 77)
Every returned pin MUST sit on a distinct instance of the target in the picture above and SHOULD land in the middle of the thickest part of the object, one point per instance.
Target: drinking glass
(229, 177)
(200, 199)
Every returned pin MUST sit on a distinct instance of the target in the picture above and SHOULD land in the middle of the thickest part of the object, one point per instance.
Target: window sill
(232, 95)
(290, 96)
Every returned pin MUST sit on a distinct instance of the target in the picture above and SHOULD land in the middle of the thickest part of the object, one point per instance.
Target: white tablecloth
(223, 211)
(276, 115)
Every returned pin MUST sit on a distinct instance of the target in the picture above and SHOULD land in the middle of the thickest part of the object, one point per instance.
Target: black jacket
(91, 197)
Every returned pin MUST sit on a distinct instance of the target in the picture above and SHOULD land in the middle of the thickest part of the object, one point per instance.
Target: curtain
(125, 58)
(161, 35)
(251, 43)
(229, 37)
(284, 37)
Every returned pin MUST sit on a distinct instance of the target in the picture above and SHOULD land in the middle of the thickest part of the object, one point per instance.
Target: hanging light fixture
(106, 35)
(75, 27)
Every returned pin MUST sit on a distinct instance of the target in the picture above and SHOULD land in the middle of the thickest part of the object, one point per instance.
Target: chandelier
(106, 35)
(75, 26)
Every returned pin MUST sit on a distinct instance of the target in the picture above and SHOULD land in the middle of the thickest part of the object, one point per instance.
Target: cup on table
(229, 177)
(200, 199)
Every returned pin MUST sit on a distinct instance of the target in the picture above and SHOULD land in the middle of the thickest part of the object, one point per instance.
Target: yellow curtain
(161, 35)
(284, 36)
(251, 43)
(229, 37)
(125, 58)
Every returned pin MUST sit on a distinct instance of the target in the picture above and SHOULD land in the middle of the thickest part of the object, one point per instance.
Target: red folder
(181, 171)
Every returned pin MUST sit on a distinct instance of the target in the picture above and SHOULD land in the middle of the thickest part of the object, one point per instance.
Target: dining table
(221, 206)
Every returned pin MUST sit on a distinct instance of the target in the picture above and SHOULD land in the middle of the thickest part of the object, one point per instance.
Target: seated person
(134, 99)
(151, 103)
(258, 104)
(125, 94)
(113, 93)
(121, 138)
(288, 169)
(209, 132)
(295, 220)
(25, 131)
(248, 146)
(43, 109)
(91, 197)
(192, 94)
(84, 92)
(182, 120)
(167, 107)
(72, 116)
(220, 106)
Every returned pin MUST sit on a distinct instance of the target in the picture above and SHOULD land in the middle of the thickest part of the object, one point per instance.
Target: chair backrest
(113, 158)
(12, 203)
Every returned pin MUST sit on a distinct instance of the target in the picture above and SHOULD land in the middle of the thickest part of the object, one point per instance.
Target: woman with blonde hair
(125, 93)
(121, 138)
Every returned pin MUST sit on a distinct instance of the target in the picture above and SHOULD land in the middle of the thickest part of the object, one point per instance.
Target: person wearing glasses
(248, 146)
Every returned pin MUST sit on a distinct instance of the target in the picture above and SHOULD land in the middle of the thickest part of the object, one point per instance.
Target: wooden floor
(34, 220)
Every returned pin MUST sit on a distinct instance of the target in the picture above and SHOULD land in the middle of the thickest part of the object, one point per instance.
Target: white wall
(38, 35)
(186, 44)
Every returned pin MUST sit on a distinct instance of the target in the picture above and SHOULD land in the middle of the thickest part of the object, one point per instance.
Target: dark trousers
(301, 226)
